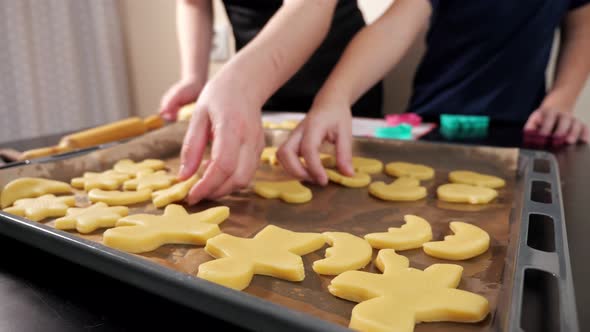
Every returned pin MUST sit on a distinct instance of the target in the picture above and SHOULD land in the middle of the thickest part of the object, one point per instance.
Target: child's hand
(182, 93)
(330, 122)
(559, 124)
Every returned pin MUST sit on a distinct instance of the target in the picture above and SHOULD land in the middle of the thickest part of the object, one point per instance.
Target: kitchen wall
(153, 55)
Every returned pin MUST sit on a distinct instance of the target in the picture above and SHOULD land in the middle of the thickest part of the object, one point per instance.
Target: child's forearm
(375, 50)
(194, 29)
(573, 65)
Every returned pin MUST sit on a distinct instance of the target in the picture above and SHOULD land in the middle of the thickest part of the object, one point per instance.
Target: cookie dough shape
(476, 179)
(145, 232)
(149, 179)
(31, 188)
(46, 206)
(269, 155)
(87, 220)
(413, 234)
(400, 190)
(465, 193)
(175, 193)
(402, 169)
(119, 197)
(131, 168)
(274, 252)
(402, 296)
(348, 252)
(367, 165)
(109, 180)
(469, 241)
(359, 179)
(288, 191)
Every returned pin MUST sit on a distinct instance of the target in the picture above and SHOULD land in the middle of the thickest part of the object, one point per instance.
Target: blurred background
(71, 64)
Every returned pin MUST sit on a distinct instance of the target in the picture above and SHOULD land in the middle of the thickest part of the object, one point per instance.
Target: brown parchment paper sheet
(333, 208)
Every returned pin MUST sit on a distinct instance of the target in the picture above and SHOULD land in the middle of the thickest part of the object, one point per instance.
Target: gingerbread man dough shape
(367, 165)
(31, 188)
(175, 193)
(109, 180)
(131, 168)
(145, 232)
(46, 206)
(348, 252)
(151, 180)
(119, 197)
(476, 179)
(469, 241)
(359, 179)
(87, 220)
(413, 234)
(402, 296)
(402, 169)
(288, 191)
(274, 252)
(400, 190)
(465, 193)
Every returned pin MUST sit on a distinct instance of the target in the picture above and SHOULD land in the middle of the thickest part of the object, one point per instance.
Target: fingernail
(182, 171)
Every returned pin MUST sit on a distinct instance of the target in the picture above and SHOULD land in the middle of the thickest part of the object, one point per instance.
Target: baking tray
(526, 273)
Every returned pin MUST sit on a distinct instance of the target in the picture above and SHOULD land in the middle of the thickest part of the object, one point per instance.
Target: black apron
(248, 17)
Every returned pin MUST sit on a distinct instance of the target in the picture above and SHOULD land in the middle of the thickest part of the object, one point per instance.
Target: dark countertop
(51, 294)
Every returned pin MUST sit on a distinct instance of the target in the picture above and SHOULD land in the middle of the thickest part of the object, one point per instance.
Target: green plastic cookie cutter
(464, 126)
(401, 132)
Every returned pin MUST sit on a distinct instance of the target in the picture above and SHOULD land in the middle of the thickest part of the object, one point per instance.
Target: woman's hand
(331, 122)
(551, 121)
(182, 93)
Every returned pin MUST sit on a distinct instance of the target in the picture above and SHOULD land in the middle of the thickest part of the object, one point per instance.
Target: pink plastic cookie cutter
(412, 119)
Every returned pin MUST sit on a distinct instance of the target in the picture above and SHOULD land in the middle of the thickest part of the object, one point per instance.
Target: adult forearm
(280, 49)
(375, 50)
(573, 63)
(194, 28)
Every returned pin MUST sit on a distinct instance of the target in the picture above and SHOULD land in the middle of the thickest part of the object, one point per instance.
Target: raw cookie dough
(269, 155)
(402, 189)
(359, 179)
(464, 193)
(287, 124)
(417, 171)
(119, 197)
(46, 206)
(175, 193)
(149, 179)
(367, 165)
(469, 241)
(274, 252)
(31, 188)
(109, 180)
(402, 296)
(476, 179)
(131, 168)
(288, 191)
(145, 232)
(413, 234)
(87, 220)
(348, 252)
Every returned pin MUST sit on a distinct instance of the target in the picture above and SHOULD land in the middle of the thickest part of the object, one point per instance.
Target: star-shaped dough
(274, 252)
(149, 179)
(46, 206)
(145, 232)
(109, 180)
(131, 168)
(87, 220)
(402, 296)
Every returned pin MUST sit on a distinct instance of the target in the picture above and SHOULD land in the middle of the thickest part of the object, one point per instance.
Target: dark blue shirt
(487, 57)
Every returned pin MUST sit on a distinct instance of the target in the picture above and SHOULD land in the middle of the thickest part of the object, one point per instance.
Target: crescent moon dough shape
(31, 188)
(348, 252)
(359, 179)
(119, 197)
(476, 179)
(465, 193)
(367, 165)
(403, 169)
(288, 191)
(412, 235)
(402, 189)
(469, 241)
